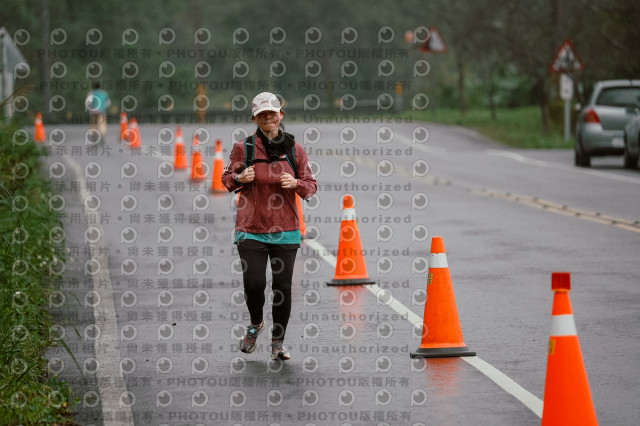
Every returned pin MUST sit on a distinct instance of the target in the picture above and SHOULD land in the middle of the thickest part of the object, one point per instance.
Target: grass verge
(517, 127)
(31, 259)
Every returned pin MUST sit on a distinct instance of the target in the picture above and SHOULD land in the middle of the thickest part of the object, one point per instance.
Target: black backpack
(249, 160)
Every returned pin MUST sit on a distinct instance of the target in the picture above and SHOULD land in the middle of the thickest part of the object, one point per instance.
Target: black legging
(253, 255)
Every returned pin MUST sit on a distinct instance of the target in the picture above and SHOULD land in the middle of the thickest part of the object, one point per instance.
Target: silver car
(632, 142)
(600, 125)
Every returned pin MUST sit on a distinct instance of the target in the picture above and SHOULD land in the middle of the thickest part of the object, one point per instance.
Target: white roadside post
(566, 94)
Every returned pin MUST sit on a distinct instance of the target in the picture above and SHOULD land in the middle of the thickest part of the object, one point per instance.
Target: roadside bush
(516, 127)
(31, 258)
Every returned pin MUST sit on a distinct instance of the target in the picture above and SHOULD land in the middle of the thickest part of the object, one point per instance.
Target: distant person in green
(97, 103)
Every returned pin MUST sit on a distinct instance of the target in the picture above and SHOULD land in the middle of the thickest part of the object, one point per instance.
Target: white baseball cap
(265, 101)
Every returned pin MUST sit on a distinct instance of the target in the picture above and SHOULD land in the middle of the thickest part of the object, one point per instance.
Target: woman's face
(268, 121)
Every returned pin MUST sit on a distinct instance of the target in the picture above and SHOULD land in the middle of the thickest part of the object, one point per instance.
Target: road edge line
(107, 356)
(509, 385)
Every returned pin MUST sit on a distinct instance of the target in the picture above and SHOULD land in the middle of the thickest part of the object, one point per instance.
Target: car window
(619, 96)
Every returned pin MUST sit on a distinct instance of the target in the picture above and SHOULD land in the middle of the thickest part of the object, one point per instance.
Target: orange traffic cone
(135, 141)
(128, 136)
(180, 156)
(218, 166)
(350, 266)
(38, 132)
(567, 399)
(123, 126)
(197, 166)
(303, 226)
(441, 333)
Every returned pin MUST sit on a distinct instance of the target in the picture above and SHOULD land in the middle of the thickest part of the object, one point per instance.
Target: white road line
(505, 382)
(549, 165)
(419, 146)
(113, 398)
(531, 401)
(520, 158)
(161, 156)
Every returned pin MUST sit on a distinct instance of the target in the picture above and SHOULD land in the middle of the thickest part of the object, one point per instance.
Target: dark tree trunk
(461, 89)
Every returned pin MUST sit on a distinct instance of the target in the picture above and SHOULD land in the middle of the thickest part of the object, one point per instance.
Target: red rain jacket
(263, 205)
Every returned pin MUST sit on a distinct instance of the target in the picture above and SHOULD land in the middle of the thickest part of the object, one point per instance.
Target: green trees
(499, 50)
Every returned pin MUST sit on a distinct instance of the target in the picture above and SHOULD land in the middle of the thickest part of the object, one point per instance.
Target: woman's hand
(288, 182)
(247, 175)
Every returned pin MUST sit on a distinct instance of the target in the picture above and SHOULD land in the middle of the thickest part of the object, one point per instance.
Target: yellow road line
(518, 198)
(561, 209)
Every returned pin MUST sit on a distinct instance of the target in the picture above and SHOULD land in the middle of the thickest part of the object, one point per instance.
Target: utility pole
(2, 65)
(46, 34)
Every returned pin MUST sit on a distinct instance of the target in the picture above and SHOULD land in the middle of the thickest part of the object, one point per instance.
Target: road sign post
(565, 62)
(433, 43)
(12, 63)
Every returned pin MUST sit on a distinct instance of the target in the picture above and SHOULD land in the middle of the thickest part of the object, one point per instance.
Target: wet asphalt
(176, 288)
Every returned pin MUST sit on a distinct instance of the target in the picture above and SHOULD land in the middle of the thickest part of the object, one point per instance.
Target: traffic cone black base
(442, 352)
(351, 282)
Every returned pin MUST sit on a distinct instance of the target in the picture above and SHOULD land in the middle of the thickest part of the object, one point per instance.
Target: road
(153, 266)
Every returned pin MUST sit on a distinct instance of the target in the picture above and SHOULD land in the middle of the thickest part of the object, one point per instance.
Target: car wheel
(582, 159)
(630, 161)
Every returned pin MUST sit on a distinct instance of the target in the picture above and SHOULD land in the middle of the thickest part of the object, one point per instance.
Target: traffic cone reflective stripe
(441, 332)
(349, 215)
(350, 266)
(438, 260)
(39, 134)
(180, 155)
(218, 167)
(567, 398)
(563, 325)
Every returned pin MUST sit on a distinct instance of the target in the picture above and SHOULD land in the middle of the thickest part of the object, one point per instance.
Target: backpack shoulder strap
(248, 151)
(291, 159)
(249, 148)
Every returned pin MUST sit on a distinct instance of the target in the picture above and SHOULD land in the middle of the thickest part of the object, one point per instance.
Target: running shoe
(278, 350)
(248, 342)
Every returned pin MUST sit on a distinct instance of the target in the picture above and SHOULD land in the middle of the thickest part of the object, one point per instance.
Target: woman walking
(270, 169)
(97, 102)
